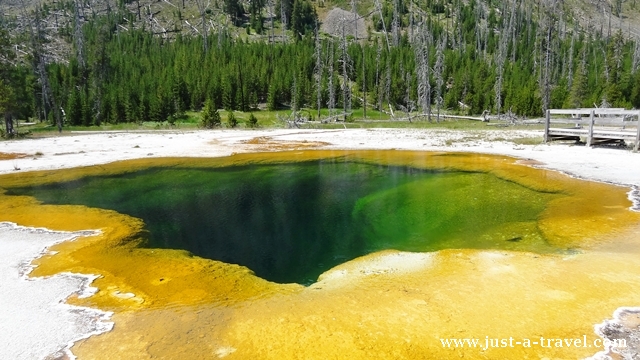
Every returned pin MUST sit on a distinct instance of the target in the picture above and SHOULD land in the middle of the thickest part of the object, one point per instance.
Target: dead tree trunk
(8, 122)
(395, 25)
(318, 69)
(354, 9)
(546, 76)
(501, 57)
(384, 26)
(202, 9)
(421, 51)
(332, 95)
(438, 70)
(271, 16)
(283, 18)
(515, 30)
(346, 66)
(294, 100)
(378, 84)
(570, 62)
(480, 29)
(79, 37)
(635, 64)
(387, 82)
(39, 64)
(364, 85)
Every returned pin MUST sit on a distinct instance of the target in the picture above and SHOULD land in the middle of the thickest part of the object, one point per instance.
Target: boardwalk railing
(596, 125)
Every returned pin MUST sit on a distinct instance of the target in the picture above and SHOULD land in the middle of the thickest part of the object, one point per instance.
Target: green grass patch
(536, 140)
(191, 120)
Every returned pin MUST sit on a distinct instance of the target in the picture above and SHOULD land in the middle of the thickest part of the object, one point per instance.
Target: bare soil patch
(266, 143)
(11, 156)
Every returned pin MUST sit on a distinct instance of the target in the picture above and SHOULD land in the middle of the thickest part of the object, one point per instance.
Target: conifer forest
(423, 57)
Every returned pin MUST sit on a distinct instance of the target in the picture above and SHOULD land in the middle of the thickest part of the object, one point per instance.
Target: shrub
(231, 120)
(253, 121)
(210, 116)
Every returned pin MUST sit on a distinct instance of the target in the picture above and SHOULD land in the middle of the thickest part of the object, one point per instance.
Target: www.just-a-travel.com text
(489, 343)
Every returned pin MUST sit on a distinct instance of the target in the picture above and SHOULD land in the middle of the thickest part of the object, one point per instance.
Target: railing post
(591, 123)
(637, 144)
(546, 126)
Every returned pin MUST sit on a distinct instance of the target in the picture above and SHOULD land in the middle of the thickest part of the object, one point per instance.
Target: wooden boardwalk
(597, 126)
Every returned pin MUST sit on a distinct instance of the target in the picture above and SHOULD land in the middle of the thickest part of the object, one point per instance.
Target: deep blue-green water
(291, 222)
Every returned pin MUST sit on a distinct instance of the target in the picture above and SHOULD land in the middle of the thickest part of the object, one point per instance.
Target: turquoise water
(291, 222)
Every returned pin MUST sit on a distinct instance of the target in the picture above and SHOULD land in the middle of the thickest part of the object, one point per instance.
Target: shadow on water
(291, 222)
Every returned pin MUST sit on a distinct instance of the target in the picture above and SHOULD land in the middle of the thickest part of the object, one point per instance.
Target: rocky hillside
(168, 18)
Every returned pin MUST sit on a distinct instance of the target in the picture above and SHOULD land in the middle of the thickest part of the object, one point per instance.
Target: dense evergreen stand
(501, 58)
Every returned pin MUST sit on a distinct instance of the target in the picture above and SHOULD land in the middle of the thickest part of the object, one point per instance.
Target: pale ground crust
(36, 321)
(394, 305)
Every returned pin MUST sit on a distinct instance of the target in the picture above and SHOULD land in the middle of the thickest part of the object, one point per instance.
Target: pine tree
(231, 119)
(74, 109)
(272, 97)
(229, 94)
(613, 93)
(116, 111)
(87, 110)
(256, 18)
(210, 117)
(285, 9)
(156, 112)
(234, 9)
(7, 92)
(180, 96)
(578, 89)
(253, 121)
(303, 18)
(232, 122)
(635, 91)
(6, 101)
